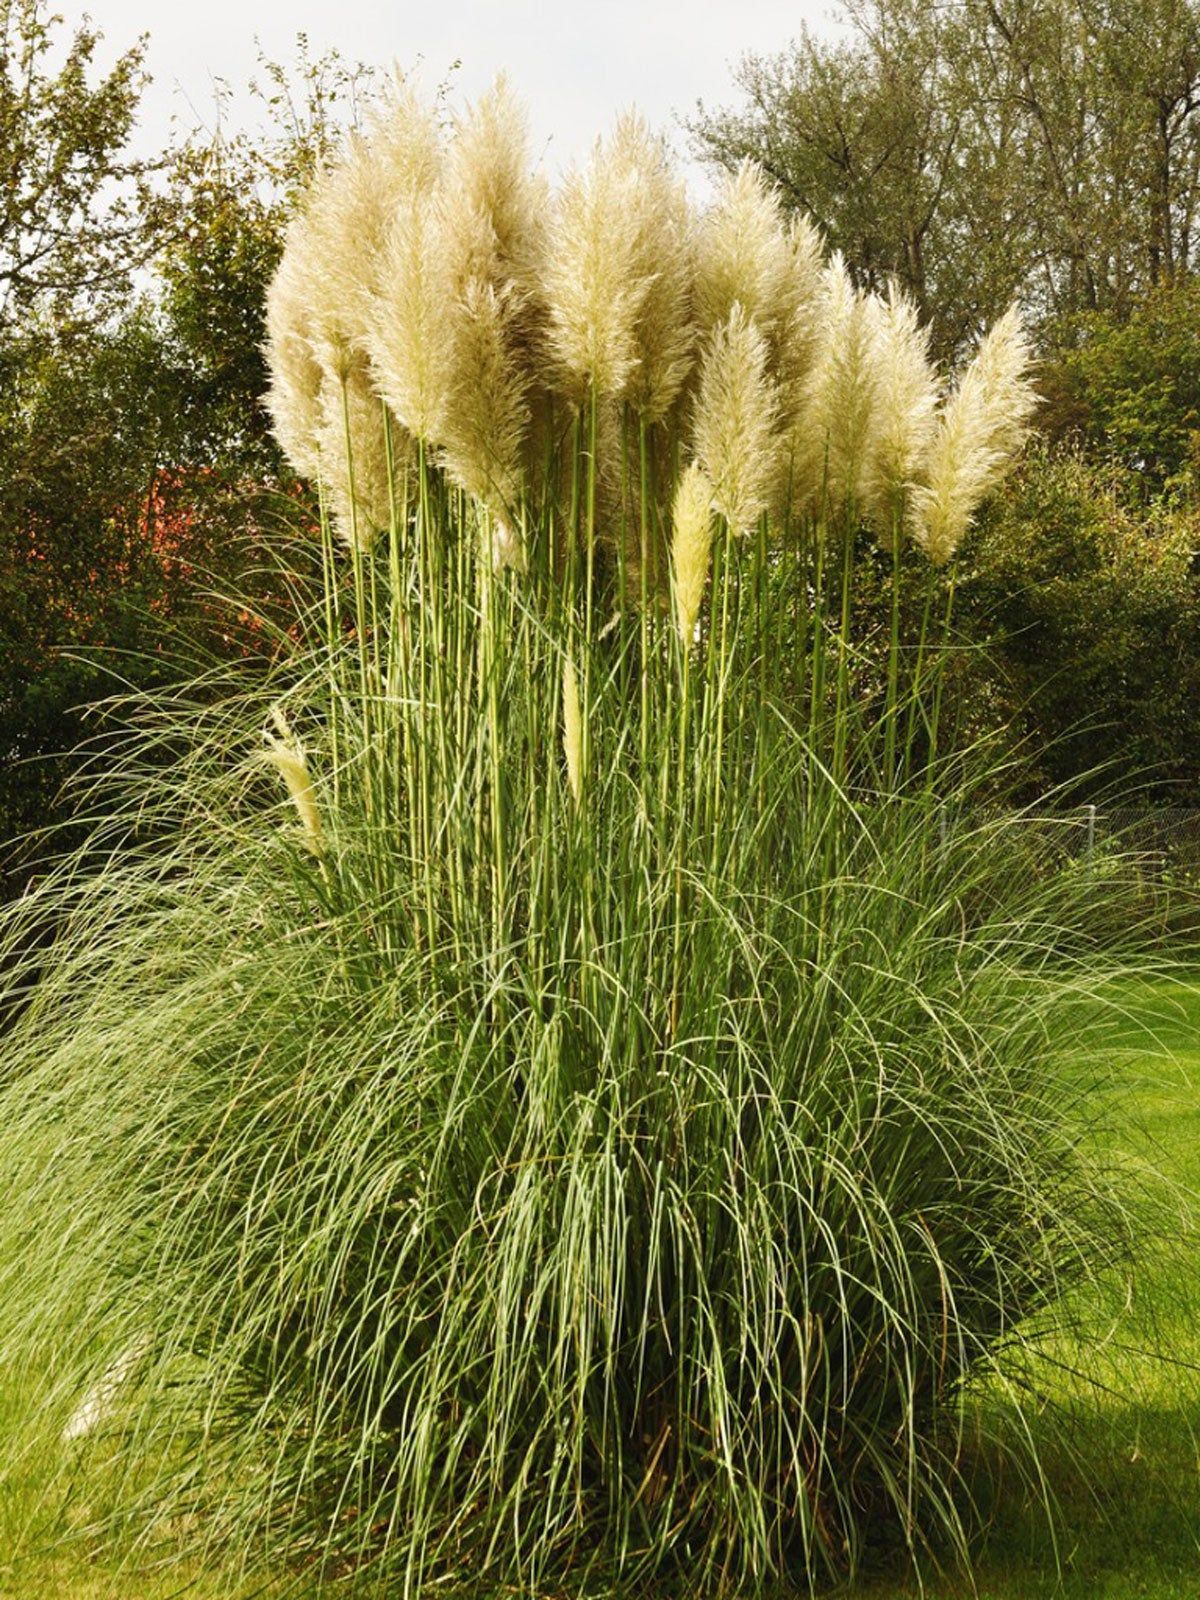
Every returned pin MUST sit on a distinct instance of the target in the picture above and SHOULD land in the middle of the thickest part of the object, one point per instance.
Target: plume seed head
(488, 412)
(572, 730)
(409, 332)
(595, 282)
(286, 754)
(354, 453)
(508, 548)
(909, 390)
(490, 195)
(737, 407)
(691, 547)
(663, 251)
(835, 424)
(798, 332)
(294, 395)
(978, 434)
(743, 254)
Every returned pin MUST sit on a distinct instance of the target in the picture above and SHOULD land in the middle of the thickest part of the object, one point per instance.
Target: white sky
(576, 64)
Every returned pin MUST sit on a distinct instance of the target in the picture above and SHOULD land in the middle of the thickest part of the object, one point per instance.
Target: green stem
(891, 709)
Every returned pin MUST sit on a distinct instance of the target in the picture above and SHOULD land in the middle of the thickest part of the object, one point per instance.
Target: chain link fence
(1163, 841)
(1158, 845)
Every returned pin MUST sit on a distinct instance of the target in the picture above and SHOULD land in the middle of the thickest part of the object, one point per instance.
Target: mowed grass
(1121, 1451)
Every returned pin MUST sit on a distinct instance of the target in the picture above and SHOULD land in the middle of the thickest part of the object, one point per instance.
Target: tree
(1128, 392)
(980, 149)
(1088, 610)
(137, 466)
(71, 195)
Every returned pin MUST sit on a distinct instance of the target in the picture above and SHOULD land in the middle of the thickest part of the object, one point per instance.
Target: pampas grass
(909, 392)
(744, 256)
(614, 1135)
(595, 280)
(691, 547)
(572, 734)
(736, 410)
(663, 250)
(977, 434)
(286, 755)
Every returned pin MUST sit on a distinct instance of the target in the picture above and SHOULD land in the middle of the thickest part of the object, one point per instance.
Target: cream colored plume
(836, 422)
(734, 425)
(595, 281)
(449, 325)
(320, 309)
(294, 396)
(411, 330)
(495, 207)
(100, 1400)
(354, 453)
(286, 754)
(409, 326)
(662, 249)
(908, 393)
(797, 334)
(348, 213)
(743, 254)
(572, 730)
(493, 219)
(489, 415)
(691, 547)
(507, 548)
(981, 428)
(320, 383)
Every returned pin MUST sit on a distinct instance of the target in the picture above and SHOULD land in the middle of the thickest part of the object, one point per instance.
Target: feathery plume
(798, 332)
(908, 394)
(375, 241)
(691, 547)
(743, 255)
(491, 212)
(662, 249)
(100, 1400)
(572, 730)
(494, 205)
(320, 310)
(353, 208)
(488, 416)
(285, 753)
(835, 422)
(594, 281)
(980, 430)
(508, 548)
(736, 411)
(354, 457)
(409, 332)
(294, 396)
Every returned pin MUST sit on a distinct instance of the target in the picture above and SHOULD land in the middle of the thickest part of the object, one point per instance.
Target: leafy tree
(1129, 393)
(1089, 612)
(71, 196)
(136, 462)
(977, 149)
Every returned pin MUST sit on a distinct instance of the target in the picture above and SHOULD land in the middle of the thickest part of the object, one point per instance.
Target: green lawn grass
(1127, 1470)
(1124, 1459)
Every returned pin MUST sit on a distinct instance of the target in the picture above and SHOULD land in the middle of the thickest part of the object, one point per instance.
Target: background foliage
(136, 464)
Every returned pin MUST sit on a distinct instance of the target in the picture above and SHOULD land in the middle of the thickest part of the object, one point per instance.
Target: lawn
(1126, 1469)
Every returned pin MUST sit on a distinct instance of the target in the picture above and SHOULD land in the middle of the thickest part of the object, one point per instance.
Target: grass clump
(555, 1101)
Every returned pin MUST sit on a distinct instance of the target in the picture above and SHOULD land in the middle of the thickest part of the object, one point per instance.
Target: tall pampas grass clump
(567, 1111)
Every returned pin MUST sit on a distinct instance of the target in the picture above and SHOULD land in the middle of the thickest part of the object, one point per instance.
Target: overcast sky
(575, 63)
